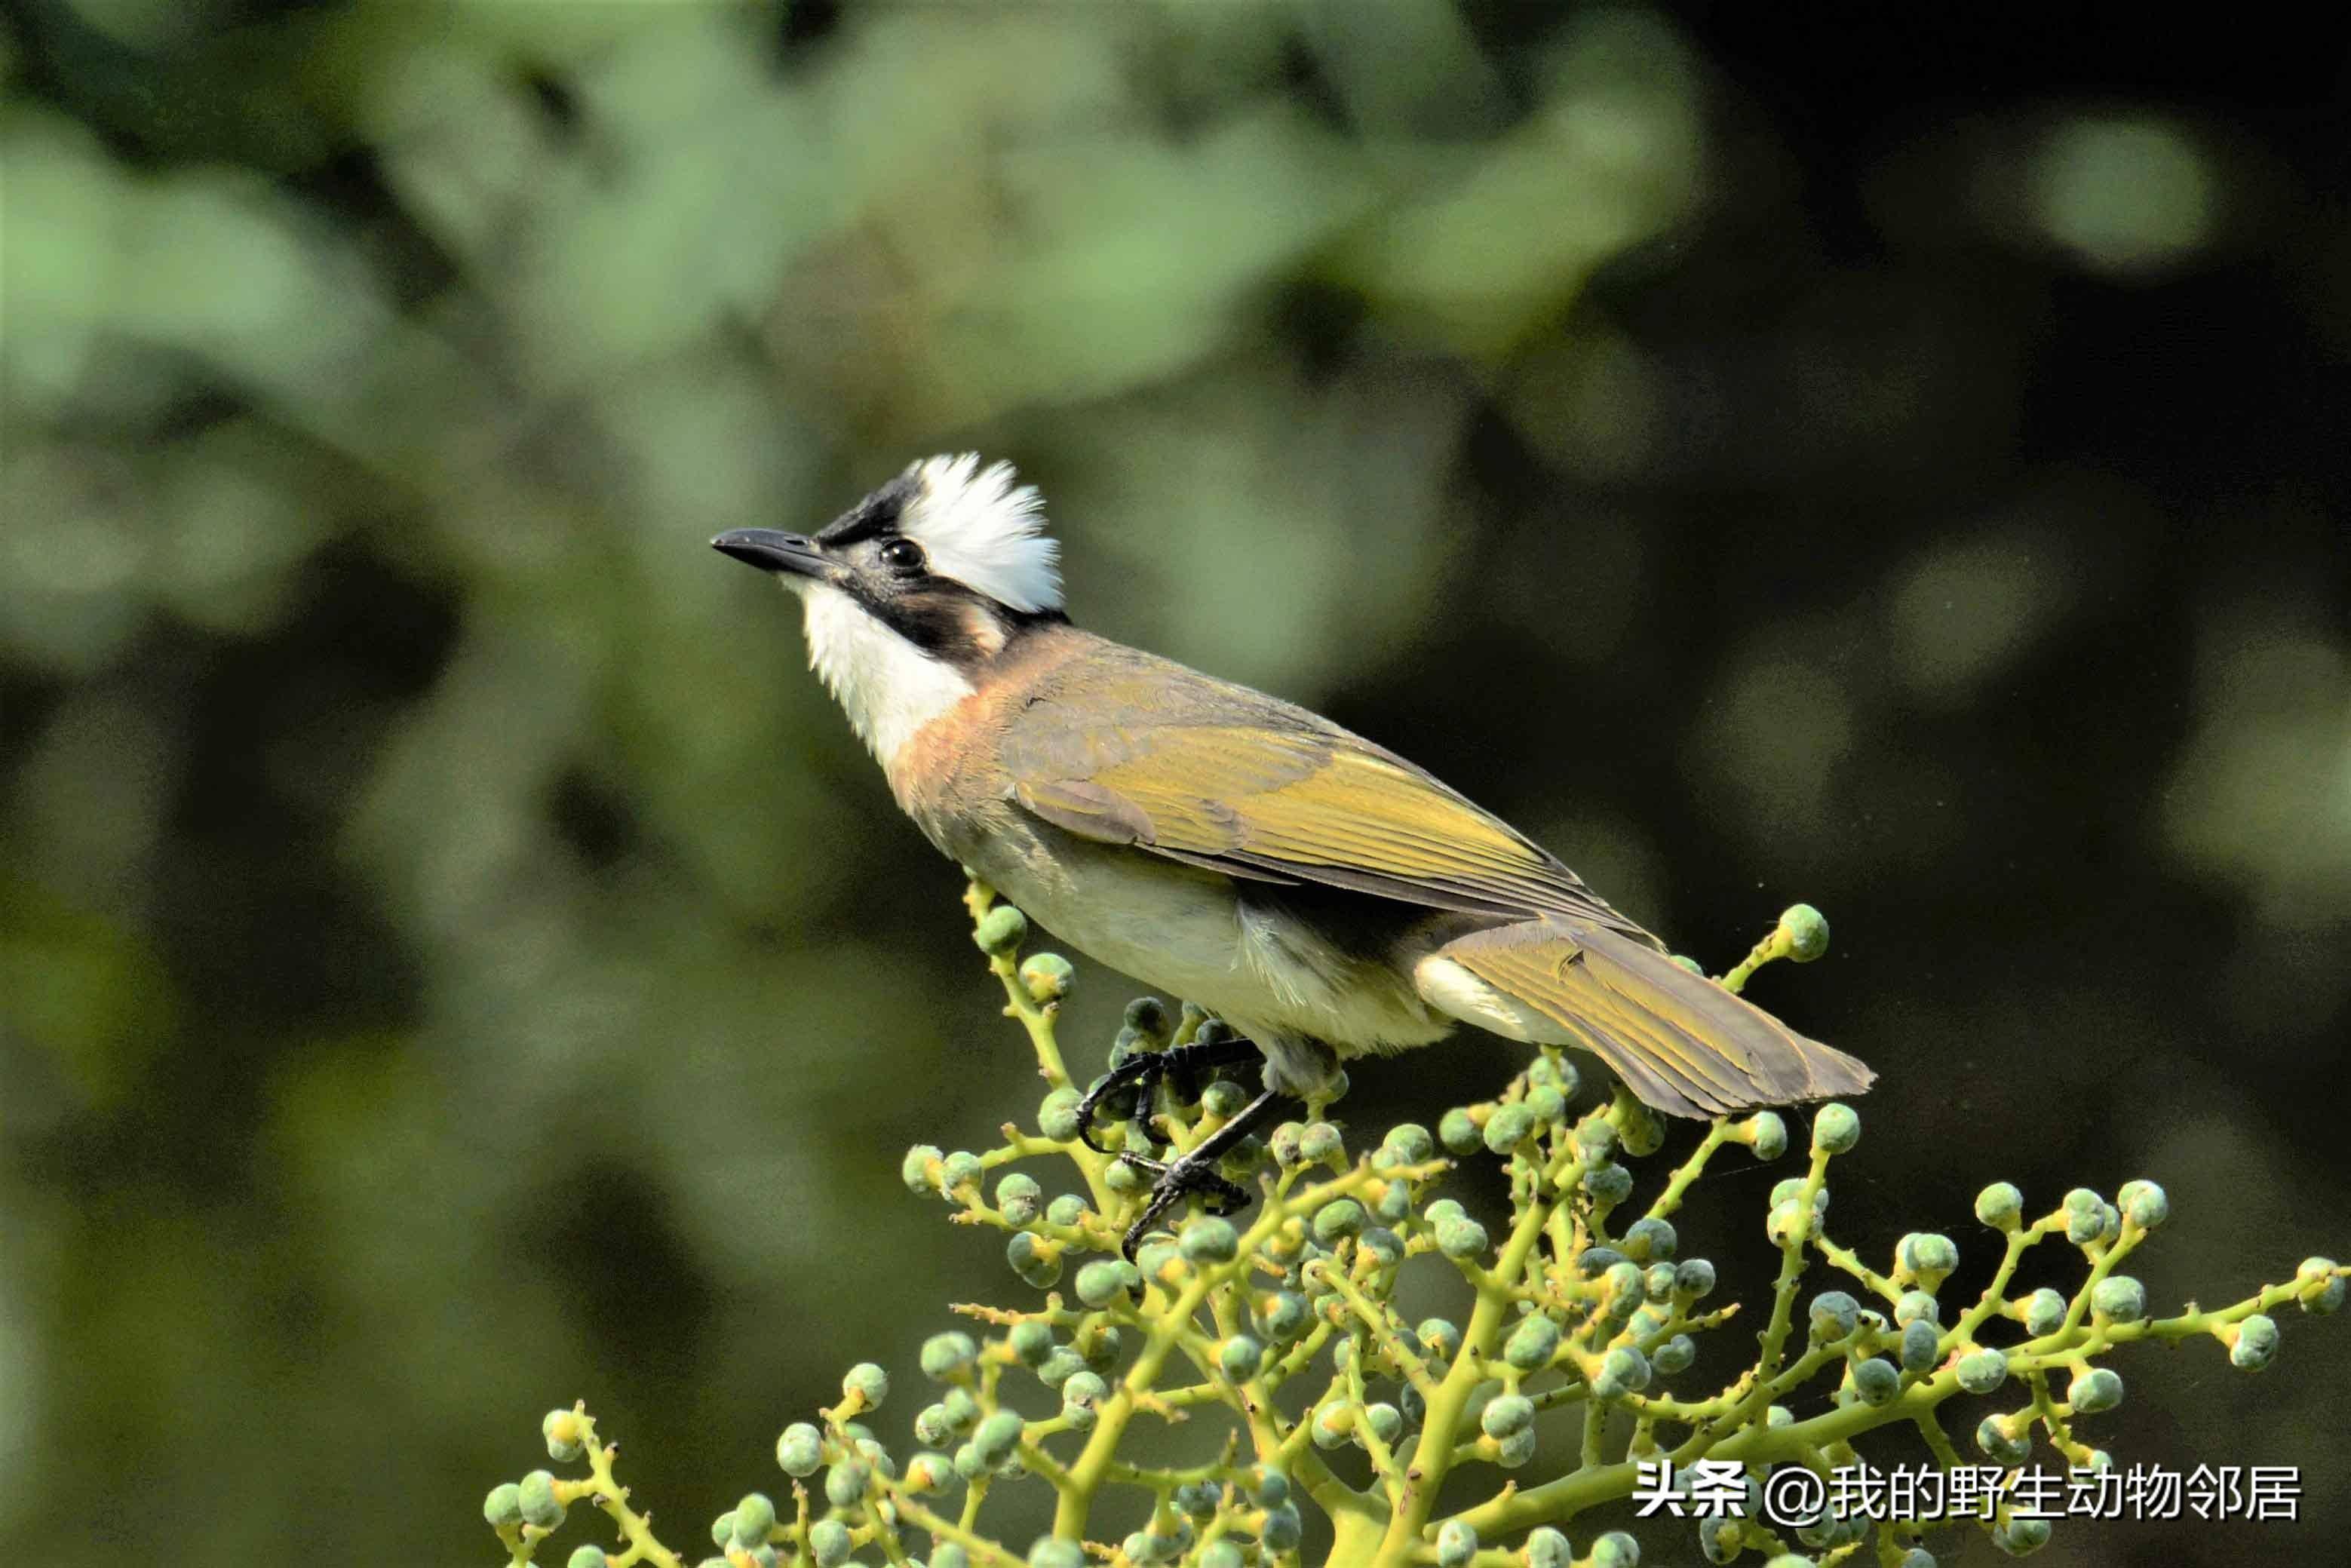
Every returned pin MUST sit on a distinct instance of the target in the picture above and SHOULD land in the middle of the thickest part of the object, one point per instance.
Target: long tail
(1679, 1041)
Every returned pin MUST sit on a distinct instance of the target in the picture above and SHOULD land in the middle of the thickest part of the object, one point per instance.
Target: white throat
(889, 687)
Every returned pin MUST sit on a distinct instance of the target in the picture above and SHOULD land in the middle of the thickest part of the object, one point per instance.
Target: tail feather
(1680, 1041)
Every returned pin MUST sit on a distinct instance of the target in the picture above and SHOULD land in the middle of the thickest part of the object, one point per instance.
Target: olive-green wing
(1280, 796)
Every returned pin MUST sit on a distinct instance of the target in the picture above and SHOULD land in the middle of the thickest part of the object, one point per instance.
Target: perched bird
(1319, 893)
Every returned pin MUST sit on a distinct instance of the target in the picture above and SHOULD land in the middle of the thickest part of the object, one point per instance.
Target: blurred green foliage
(451, 959)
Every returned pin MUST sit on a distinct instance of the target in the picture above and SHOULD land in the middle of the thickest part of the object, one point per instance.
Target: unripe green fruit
(539, 1504)
(1836, 1128)
(1001, 930)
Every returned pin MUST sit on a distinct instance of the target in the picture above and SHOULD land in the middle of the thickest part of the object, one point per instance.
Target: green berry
(1674, 1356)
(1281, 1530)
(1331, 1424)
(1102, 1281)
(1337, 1220)
(1383, 1246)
(2256, 1343)
(1099, 1343)
(1455, 1545)
(566, 1437)
(1152, 1258)
(915, 1169)
(1532, 1344)
(1914, 1305)
(1144, 1015)
(1993, 1438)
(960, 1169)
(2085, 1216)
(1384, 1422)
(755, 1517)
(2099, 1388)
(2144, 1204)
(1649, 1241)
(1032, 1261)
(585, 1557)
(1458, 1132)
(947, 1554)
(1057, 1114)
(1982, 1371)
(1209, 1239)
(2044, 1310)
(846, 1482)
(1240, 1357)
(1320, 1141)
(539, 1504)
(1622, 1371)
(1461, 1238)
(2000, 1206)
(2020, 1537)
(828, 1542)
(1807, 931)
(1609, 1185)
(1767, 1134)
(503, 1506)
(1411, 1143)
(800, 1450)
(1224, 1098)
(2119, 1299)
(928, 1473)
(1836, 1128)
(1546, 1105)
(931, 1425)
(962, 1410)
(1508, 1127)
(1030, 1343)
(1694, 1278)
(2322, 1288)
(1875, 1380)
(948, 1355)
(1833, 1315)
(868, 1381)
(1919, 1345)
(1020, 1198)
(1547, 1548)
(1508, 1413)
(997, 1437)
(1001, 930)
(1597, 1135)
(1281, 1316)
(1615, 1550)
(1927, 1258)
(1047, 977)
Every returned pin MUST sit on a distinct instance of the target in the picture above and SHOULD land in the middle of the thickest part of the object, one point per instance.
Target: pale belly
(1188, 933)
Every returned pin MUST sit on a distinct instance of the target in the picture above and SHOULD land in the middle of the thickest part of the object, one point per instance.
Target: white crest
(889, 687)
(983, 529)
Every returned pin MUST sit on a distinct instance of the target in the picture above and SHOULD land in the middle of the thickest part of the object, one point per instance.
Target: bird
(1321, 895)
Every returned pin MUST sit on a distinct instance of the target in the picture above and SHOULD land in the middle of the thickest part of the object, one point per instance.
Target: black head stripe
(872, 517)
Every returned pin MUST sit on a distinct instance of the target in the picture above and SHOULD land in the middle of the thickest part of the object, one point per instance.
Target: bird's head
(914, 592)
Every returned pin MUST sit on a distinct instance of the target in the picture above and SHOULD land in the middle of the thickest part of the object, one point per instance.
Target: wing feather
(1273, 793)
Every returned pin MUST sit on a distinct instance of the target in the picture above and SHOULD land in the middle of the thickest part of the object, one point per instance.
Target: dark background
(452, 959)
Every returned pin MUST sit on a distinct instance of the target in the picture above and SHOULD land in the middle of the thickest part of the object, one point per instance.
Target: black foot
(1144, 1070)
(1179, 1178)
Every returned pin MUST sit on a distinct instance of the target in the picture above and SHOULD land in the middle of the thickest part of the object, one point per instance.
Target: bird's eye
(903, 555)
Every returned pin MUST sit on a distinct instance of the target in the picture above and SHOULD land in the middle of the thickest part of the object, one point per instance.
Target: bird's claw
(1179, 1178)
(1144, 1068)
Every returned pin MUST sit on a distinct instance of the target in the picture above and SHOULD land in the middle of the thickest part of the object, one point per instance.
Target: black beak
(772, 551)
